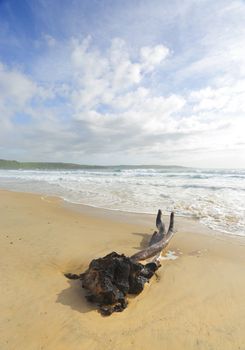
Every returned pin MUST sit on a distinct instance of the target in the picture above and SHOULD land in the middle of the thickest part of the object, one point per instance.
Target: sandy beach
(196, 301)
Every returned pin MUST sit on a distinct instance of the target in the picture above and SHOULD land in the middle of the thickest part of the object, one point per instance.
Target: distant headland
(15, 165)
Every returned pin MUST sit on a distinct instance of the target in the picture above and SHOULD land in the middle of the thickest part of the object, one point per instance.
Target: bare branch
(110, 279)
(157, 247)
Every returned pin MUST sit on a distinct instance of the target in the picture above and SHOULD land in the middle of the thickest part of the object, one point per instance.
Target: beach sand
(197, 301)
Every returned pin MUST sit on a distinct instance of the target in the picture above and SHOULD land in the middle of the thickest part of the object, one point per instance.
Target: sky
(123, 82)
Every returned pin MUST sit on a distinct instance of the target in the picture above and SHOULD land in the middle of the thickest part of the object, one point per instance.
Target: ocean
(216, 197)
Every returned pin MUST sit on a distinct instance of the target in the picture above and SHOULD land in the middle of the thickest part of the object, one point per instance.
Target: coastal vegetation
(15, 165)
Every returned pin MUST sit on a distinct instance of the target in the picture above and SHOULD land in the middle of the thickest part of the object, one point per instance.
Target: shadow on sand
(74, 297)
(144, 241)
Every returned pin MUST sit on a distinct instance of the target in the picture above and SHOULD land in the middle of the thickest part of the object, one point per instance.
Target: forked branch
(108, 280)
(158, 241)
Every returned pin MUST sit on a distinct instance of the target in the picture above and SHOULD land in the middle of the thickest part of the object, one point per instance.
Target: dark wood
(157, 243)
(108, 280)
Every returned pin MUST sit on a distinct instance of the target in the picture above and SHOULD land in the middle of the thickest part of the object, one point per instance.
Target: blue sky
(123, 82)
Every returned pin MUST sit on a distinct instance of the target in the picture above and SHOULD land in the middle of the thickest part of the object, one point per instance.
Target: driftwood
(108, 280)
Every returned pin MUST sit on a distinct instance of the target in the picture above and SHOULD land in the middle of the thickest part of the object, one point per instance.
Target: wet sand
(196, 302)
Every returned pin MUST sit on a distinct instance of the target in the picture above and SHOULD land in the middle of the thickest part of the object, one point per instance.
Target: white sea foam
(170, 255)
(215, 197)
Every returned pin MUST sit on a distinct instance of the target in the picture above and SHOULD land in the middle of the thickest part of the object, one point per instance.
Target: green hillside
(13, 164)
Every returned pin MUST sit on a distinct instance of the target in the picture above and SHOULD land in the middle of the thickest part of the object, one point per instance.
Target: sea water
(216, 197)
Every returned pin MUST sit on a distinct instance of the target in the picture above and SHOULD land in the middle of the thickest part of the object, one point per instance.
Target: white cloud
(226, 99)
(152, 56)
(106, 104)
(101, 78)
(16, 89)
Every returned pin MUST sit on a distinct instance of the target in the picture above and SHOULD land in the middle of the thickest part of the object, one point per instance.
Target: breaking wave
(215, 197)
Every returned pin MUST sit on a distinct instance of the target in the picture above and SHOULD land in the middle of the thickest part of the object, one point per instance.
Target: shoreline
(197, 301)
(122, 215)
(187, 223)
(214, 198)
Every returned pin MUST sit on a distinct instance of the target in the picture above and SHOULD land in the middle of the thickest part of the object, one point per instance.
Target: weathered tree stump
(108, 280)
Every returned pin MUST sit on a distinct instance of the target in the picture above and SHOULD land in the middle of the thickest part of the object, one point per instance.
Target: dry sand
(197, 301)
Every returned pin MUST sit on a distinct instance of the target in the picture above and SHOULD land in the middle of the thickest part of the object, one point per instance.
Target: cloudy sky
(123, 81)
